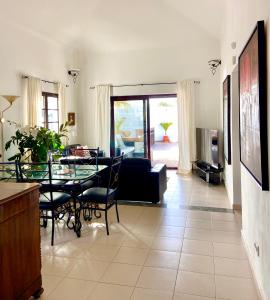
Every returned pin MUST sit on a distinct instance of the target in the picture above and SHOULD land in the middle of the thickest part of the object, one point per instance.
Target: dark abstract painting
(253, 110)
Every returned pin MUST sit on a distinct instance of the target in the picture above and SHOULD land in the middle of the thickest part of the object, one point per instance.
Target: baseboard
(237, 207)
(258, 286)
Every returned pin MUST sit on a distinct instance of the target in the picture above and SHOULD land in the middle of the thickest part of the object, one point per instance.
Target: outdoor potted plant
(166, 126)
(36, 143)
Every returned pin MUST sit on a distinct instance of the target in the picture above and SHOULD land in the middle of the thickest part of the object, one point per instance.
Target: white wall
(22, 52)
(242, 16)
(186, 61)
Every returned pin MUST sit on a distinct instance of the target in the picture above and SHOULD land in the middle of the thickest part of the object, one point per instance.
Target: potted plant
(166, 126)
(36, 142)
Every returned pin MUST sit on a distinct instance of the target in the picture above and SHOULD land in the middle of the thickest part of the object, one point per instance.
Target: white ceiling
(117, 24)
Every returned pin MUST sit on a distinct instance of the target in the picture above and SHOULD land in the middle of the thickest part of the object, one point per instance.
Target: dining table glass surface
(75, 172)
(64, 172)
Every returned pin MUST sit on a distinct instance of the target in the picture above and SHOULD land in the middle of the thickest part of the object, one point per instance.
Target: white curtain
(32, 102)
(102, 118)
(61, 90)
(186, 125)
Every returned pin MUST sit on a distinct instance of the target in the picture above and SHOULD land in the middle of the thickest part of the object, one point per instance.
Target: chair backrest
(115, 167)
(87, 156)
(69, 149)
(86, 152)
(43, 173)
(9, 171)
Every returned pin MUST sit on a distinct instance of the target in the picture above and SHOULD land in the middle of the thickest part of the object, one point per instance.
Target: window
(50, 111)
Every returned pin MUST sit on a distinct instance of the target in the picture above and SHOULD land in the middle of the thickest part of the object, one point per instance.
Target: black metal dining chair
(84, 157)
(53, 201)
(87, 156)
(103, 198)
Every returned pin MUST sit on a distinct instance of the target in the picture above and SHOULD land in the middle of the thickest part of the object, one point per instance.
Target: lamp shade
(10, 98)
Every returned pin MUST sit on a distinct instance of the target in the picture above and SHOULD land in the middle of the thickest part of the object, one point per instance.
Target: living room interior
(186, 215)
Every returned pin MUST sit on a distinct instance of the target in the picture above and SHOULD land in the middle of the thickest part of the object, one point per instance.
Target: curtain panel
(32, 101)
(61, 91)
(186, 125)
(102, 117)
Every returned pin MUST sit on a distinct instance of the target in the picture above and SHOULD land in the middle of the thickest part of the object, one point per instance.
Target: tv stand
(207, 172)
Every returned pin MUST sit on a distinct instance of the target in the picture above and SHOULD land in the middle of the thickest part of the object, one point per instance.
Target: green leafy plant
(166, 126)
(118, 124)
(36, 142)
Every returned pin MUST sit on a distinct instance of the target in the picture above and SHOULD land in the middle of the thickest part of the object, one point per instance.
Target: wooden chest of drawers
(20, 256)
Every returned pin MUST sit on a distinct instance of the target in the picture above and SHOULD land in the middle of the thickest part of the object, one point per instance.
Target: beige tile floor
(154, 253)
(193, 191)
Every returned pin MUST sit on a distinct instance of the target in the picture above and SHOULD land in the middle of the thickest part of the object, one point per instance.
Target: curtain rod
(46, 81)
(143, 84)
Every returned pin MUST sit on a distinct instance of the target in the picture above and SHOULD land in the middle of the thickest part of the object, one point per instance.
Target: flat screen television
(207, 141)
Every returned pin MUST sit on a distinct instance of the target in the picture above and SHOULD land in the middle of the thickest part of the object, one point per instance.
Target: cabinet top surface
(10, 190)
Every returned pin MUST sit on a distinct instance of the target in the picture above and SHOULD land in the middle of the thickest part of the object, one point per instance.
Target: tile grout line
(62, 279)
(139, 275)
(178, 267)
(213, 251)
(166, 205)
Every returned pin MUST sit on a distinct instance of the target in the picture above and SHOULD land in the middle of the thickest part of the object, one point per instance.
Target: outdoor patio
(166, 153)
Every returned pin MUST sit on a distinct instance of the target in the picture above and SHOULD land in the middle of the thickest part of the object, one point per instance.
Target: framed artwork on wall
(71, 118)
(253, 107)
(227, 118)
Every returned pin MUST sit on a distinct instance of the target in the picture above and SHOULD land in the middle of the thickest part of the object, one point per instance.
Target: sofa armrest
(158, 168)
(158, 180)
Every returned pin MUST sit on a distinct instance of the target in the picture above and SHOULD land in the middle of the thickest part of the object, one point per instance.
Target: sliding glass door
(145, 126)
(129, 126)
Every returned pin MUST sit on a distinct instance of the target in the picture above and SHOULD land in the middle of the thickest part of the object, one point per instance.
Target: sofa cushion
(140, 164)
(58, 199)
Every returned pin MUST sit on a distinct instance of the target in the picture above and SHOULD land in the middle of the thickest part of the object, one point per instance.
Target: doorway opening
(164, 131)
(145, 126)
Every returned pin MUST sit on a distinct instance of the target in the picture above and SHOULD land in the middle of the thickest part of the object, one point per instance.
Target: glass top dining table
(65, 172)
(75, 172)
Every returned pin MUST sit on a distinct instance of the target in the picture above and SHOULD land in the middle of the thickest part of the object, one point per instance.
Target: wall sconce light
(214, 63)
(74, 73)
(10, 99)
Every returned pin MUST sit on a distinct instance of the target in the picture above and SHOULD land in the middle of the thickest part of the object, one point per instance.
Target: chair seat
(81, 186)
(97, 195)
(58, 199)
(46, 186)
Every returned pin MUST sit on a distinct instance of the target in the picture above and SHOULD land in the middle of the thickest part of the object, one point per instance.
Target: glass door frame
(146, 119)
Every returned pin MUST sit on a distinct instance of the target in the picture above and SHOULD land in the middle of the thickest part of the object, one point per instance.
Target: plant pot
(166, 139)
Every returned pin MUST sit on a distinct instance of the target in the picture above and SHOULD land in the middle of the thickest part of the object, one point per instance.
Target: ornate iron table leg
(77, 224)
(87, 212)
